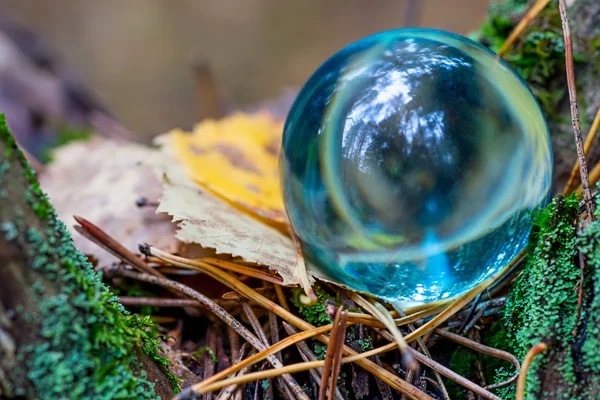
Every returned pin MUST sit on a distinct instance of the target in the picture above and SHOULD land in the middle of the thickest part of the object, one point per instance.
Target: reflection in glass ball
(411, 161)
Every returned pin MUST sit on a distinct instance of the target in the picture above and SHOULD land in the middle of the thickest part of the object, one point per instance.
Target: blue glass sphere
(411, 161)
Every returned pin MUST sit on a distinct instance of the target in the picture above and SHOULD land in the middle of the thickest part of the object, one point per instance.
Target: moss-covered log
(63, 335)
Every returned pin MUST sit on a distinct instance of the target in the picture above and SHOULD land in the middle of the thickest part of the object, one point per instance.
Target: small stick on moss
(569, 63)
(529, 16)
(580, 287)
(105, 241)
(572, 182)
(521, 383)
(160, 302)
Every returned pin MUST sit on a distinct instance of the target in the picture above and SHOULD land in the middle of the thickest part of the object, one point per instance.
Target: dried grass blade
(241, 269)
(391, 379)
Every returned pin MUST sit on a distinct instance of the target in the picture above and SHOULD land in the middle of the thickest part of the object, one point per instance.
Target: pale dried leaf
(101, 180)
(210, 221)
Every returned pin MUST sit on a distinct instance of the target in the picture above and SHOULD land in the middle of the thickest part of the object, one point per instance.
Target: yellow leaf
(237, 159)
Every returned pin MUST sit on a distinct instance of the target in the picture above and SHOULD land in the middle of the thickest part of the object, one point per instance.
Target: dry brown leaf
(210, 221)
(101, 180)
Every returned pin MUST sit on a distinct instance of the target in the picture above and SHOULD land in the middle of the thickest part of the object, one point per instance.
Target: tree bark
(62, 334)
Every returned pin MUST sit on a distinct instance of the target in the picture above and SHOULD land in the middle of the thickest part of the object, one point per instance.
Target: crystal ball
(410, 164)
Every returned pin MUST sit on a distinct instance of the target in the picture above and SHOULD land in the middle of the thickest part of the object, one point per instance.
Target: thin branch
(572, 182)
(583, 170)
(521, 383)
(102, 239)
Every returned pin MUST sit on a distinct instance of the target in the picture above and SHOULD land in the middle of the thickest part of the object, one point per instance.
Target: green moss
(34, 195)
(320, 350)
(198, 353)
(542, 304)
(88, 344)
(314, 314)
(589, 245)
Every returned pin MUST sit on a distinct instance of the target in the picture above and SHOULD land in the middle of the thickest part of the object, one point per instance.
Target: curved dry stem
(535, 9)
(521, 382)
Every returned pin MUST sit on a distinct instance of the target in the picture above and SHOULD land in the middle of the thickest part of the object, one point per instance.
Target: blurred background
(138, 55)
